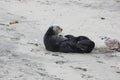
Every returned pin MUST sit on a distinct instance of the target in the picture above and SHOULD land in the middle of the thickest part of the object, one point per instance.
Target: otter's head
(57, 29)
(54, 30)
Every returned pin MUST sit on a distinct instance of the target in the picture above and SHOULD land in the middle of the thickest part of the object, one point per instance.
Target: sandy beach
(23, 24)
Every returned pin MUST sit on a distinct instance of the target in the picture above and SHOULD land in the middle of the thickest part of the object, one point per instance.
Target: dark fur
(52, 40)
(57, 43)
(80, 44)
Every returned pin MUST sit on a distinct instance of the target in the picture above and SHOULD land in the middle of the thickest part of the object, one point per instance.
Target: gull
(112, 44)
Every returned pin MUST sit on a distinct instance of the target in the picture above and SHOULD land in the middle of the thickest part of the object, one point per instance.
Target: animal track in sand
(86, 76)
(118, 72)
(57, 55)
(36, 44)
(79, 68)
(60, 62)
(100, 62)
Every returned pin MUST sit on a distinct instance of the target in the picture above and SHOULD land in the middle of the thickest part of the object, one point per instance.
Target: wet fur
(52, 40)
(57, 43)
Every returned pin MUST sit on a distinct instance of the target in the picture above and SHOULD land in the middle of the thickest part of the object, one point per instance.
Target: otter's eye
(60, 28)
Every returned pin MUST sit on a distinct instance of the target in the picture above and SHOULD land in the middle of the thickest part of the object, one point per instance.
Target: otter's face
(57, 29)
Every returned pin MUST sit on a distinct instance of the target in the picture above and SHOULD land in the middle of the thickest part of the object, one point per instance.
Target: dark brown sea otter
(57, 43)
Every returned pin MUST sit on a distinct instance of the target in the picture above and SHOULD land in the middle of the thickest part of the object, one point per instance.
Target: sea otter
(58, 43)
(52, 39)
